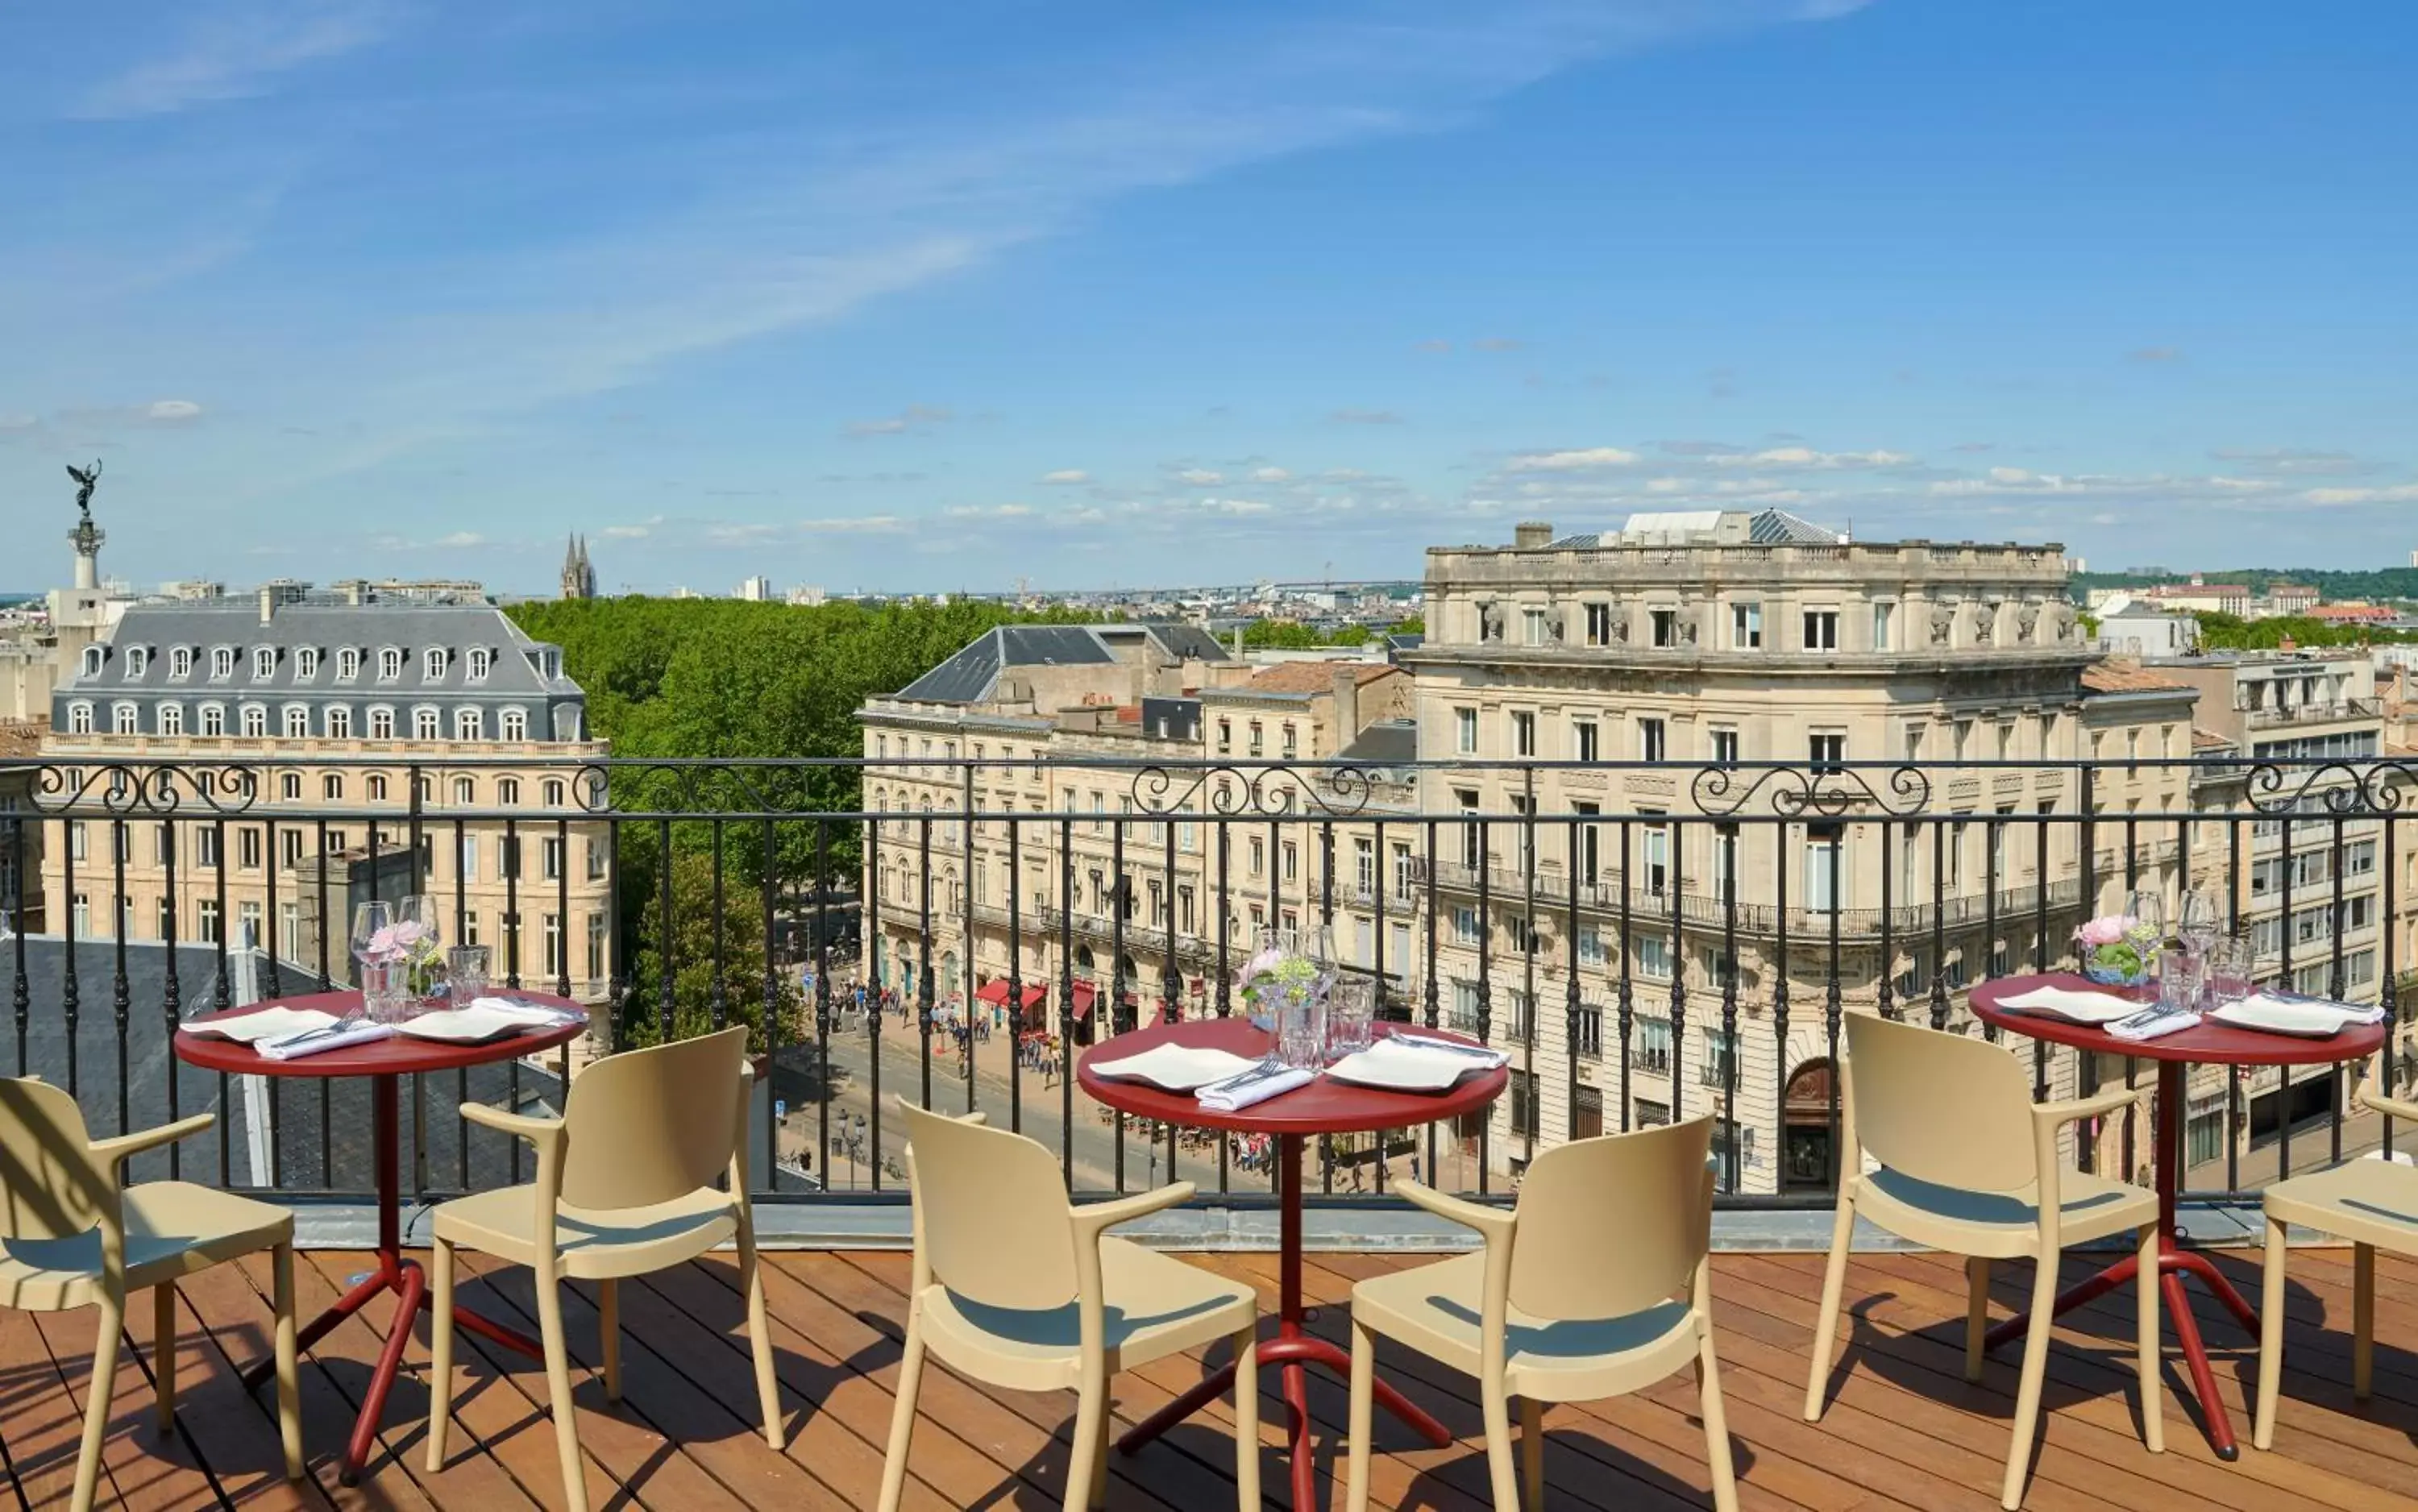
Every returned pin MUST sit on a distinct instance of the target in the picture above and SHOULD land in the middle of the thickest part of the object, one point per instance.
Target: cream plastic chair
(1019, 1288)
(1969, 1165)
(73, 1235)
(624, 1186)
(1575, 1297)
(2374, 1204)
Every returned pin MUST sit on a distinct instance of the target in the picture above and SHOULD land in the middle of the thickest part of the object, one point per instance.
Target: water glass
(2182, 978)
(2231, 969)
(1351, 1015)
(1301, 1031)
(466, 973)
(385, 991)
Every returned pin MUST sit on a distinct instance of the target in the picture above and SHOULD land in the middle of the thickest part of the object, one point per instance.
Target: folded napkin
(266, 1024)
(1475, 1055)
(1256, 1085)
(2151, 1024)
(2075, 1007)
(528, 1012)
(311, 1042)
(2350, 1013)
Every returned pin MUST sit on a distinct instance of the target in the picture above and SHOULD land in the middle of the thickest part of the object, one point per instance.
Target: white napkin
(267, 1024)
(2075, 1007)
(528, 1012)
(1256, 1085)
(2149, 1024)
(298, 1046)
(2350, 1013)
(1420, 1044)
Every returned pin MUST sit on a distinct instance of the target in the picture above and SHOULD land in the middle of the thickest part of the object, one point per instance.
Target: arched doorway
(948, 974)
(1806, 1149)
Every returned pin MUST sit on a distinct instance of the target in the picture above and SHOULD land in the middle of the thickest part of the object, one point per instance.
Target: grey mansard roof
(520, 667)
(971, 676)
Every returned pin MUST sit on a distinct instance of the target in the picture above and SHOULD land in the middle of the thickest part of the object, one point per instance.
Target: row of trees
(2225, 631)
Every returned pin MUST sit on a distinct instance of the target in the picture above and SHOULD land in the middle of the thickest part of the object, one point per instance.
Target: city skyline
(357, 286)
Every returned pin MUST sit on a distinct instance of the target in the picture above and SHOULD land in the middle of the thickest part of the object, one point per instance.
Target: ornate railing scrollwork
(1272, 792)
(2339, 789)
(1818, 791)
(150, 790)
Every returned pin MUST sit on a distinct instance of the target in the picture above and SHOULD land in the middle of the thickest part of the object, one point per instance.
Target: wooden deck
(1904, 1431)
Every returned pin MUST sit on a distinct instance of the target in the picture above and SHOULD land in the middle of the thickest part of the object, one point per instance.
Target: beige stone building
(319, 751)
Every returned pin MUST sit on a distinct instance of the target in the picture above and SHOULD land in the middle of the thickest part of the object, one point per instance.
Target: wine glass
(2148, 907)
(373, 931)
(2201, 919)
(374, 954)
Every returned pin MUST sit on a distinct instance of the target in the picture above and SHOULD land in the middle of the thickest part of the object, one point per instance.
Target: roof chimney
(1347, 705)
(1532, 535)
(267, 604)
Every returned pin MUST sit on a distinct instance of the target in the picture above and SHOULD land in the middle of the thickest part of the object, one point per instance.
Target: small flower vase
(2109, 974)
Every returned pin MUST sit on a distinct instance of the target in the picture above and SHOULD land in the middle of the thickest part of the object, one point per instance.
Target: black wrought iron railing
(955, 931)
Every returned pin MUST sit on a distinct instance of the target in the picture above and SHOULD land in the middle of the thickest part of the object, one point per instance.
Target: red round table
(1323, 1106)
(2204, 1043)
(384, 1061)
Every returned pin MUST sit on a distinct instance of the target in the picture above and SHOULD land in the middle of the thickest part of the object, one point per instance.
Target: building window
(289, 844)
(255, 722)
(306, 662)
(596, 947)
(247, 925)
(289, 785)
(1523, 733)
(514, 724)
(1525, 1113)
(1225, 736)
(1583, 734)
(80, 913)
(264, 664)
(1598, 625)
(289, 931)
(1666, 626)
(1651, 745)
(340, 722)
(1650, 1051)
(247, 848)
(552, 928)
(1746, 627)
(1725, 747)
(508, 792)
(222, 662)
(171, 718)
(468, 724)
(180, 662)
(1291, 742)
(213, 719)
(206, 922)
(297, 722)
(1719, 1061)
(480, 658)
(381, 724)
(1825, 866)
(331, 787)
(79, 718)
(550, 855)
(390, 663)
(1821, 630)
(466, 791)
(1884, 627)
(349, 665)
(1465, 728)
(1531, 626)
(138, 661)
(555, 792)
(122, 719)
(375, 786)
(433, 664)
(424, 723)
(1258, 739)
(1826, 752)
(1654, 960)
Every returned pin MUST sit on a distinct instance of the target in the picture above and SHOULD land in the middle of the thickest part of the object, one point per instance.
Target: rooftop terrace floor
(1904, 1431)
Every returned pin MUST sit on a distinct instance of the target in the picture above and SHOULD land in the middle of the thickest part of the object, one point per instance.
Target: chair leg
(2035, 1371)
(902, 1417)
(1496, 1405)
(1717, 1426)
(1100, 1460)
(760, 1336)
(1246, 1418)
(2270, 1336)
(1531, 1453)
(163, 1353)
(1361, 1421)
(1091, 1416)
(2153, 1409)
(557, 1386)
(609, 1334)
(1826, 1324)
(440, 1351)
(1977, 1315)
(96, 1408)
(289, 1374)
(2362, 1320)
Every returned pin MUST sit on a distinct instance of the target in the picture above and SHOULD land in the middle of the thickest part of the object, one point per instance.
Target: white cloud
(1202, 476)
(989, 512)
(1577, 461)
(913, 418)
(171, 411)
(2393, 494)
(234, 52)
(462, 539)
(1067, 476)
(639, 532)
(1270, 475)
(862, 525)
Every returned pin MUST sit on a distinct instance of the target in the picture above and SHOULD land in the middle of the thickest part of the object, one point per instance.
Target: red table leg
(1293, 1350)
(2175, 1262)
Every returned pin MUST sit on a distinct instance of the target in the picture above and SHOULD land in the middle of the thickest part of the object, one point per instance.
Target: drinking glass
(2230, 967)
(466, 973)
(2201, 920)
(2147, 907)
(385, 994)
(1301, 1029)
(1351, 1015)
(373, 933)
(2182, 977)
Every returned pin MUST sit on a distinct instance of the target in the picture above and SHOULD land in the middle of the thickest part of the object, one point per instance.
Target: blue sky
(905, 296)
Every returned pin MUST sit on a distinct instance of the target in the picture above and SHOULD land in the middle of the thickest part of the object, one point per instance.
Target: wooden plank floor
(1904, 1431)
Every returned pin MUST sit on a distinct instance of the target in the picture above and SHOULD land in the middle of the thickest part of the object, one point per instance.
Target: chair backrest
(49, 1188)
(992, 1211)
(1609, 1226)
(646, 1126)
(1941, 1107)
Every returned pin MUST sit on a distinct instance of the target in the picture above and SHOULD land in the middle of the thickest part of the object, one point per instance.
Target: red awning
(1084, 993)
(993, 991)
(1035, 997)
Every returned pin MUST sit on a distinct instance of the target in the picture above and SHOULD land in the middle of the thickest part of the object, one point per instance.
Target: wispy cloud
(236, 52)
(913, 418)
(1065, 477)
(1365, 417)
(1573, 461)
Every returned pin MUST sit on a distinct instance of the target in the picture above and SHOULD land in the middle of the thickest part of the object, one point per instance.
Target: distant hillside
(2383, 583)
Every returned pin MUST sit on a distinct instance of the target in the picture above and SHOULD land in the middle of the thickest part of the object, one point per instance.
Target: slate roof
(414, 629)
(1389, 742)
(971, 676)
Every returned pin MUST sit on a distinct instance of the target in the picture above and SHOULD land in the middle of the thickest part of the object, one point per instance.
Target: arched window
(381, 724)
(306, 662)
(123, 719)
(424, 723)
(138, 661)
(349, 665)
(433, 664)
(376, 786)
(508, 792)
(515, 722)
(338, 722)
(255, 722)
(222, 662)
(289, 784)
(331, 786)
(555, 792)
(466, 791)
(297, 722)
(79, 718)
(480, 659)
(264, 662)
(213, 719)
(180, 662)
(470, 724)
(172, 719)
(93, 658)
(390, 663)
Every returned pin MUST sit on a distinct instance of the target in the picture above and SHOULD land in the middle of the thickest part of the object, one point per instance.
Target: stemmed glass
(2147, 907)
(379, 969)
(2201, 919)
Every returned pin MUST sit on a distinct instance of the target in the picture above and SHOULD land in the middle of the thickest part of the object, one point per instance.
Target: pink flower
(408, 933)
(382, 943)
(2107, 931)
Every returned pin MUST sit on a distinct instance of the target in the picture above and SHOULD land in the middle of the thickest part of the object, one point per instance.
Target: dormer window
(433, 663)
(138, 660)
(264, 664)
(93, 658)
(180, 663)
(222, 662)
(480, 659)
(390, 663)
(349, 665)
(306, 662)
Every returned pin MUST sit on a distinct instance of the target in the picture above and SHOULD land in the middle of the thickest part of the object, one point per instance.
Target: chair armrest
(2399, 1107)
(106, 1154)
(2056, 1115)
(1093, 1218)
(537, 1131)
(1492, 1222)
